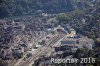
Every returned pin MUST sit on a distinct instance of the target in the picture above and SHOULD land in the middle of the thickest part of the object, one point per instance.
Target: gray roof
(68, 42)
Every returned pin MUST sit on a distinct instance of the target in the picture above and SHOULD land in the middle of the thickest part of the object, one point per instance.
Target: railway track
(41, 51)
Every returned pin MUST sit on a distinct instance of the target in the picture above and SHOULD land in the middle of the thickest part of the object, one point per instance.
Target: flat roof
(68, 42)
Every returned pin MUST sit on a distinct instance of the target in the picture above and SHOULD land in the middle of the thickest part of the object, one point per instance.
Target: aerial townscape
(49, 32)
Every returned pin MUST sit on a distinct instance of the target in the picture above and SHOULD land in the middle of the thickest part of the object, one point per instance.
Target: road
(40, 51)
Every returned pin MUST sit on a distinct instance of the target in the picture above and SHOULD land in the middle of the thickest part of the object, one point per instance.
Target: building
(72, 33)
(5, 54)
(17, 52)
(75, 43)
(70, 44)
(85, 43)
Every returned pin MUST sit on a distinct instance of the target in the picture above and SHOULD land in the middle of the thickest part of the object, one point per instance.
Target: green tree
(62, 17)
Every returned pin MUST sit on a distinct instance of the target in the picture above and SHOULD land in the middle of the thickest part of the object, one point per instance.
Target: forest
(29, 7)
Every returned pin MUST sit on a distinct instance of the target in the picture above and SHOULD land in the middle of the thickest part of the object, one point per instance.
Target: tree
(97, 42)
(62, 17)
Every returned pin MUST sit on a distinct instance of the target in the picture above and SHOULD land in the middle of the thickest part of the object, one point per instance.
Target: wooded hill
(27, 7)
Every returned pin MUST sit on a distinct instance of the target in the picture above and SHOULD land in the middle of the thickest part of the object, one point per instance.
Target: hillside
(27, 7)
